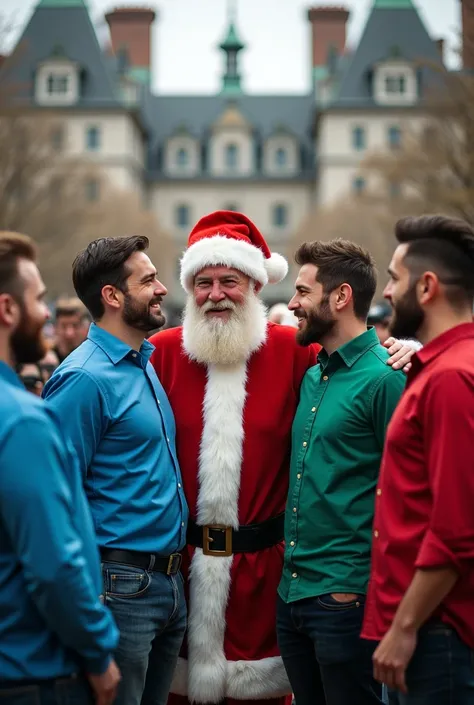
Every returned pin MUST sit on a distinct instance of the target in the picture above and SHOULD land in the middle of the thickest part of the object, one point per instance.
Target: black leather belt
(147, 561)
(219, 540)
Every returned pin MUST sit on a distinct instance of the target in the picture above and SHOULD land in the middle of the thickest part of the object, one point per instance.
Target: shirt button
(294, 575)
(376, 534)
(325, 378)
(379, 492)
(179, 485)
(134, 354)
(167, 439)
(304, 444)
(182, 523)
(313, 409)
(298, 477)
(292, 543)
(159, 401)
(294, 510)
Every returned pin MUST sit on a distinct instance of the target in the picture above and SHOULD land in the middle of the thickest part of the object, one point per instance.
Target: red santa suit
(233, 440)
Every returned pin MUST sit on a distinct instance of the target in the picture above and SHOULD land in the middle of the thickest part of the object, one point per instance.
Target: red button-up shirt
(424, 512)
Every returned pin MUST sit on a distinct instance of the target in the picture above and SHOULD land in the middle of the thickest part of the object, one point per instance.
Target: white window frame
(57, 71)
(392, 73)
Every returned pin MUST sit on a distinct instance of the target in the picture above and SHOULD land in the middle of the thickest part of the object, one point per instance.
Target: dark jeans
(441, 671)
(62, 691)
(326, 661)
(150, 611)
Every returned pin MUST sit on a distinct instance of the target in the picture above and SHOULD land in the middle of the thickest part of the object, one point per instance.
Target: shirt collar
(439, 345)
(8, 374)
(115, 349)
(350, 352)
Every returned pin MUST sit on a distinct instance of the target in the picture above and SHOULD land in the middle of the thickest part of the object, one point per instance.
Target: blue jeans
(441, 671)
(150, 611)
(326, 660)
(61, 691)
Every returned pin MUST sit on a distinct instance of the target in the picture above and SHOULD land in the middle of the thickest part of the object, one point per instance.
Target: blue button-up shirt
(119, 420)
(52, 623)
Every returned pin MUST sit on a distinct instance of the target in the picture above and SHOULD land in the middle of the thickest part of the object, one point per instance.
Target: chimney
(130, 33)
(467, 15)
(329, 32)
(440, 45)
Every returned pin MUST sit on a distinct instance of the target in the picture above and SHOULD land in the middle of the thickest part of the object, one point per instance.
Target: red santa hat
(230, 239)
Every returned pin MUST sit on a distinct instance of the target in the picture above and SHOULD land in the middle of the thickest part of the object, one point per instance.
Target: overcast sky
(185, 57)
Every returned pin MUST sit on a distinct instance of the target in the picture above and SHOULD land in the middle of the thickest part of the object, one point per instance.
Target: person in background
(48, 364)
(379, 317)
(32, 377)
(345, 404)
(56, 638)
(420, 600)
(280, 314)
(71, 323)
(117, 417)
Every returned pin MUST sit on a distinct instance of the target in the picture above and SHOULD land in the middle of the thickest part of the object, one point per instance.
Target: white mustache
(219, 306)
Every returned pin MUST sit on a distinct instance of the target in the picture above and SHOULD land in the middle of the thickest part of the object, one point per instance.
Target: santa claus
(232, 379)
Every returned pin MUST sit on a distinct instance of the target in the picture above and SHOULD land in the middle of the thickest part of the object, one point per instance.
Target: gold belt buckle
(207, 540)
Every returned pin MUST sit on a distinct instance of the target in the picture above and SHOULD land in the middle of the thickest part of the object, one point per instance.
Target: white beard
(213, 341)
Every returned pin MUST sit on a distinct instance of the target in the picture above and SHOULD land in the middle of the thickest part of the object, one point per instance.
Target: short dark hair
(446, 246)
(14, 246)
(342, 262)
(102, 263)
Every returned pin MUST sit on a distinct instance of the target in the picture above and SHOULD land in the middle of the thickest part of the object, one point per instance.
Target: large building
(272, 156)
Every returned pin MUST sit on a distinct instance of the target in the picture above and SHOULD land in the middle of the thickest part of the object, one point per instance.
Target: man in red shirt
(420, 602)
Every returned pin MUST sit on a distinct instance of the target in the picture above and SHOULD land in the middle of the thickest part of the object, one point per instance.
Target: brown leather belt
(220, 540)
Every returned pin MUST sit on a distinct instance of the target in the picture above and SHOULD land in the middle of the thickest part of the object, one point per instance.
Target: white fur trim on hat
(230, 252)
(277, 268)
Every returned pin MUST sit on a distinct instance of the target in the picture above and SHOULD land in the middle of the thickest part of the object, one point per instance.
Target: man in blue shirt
(53, 628)
(118, 418)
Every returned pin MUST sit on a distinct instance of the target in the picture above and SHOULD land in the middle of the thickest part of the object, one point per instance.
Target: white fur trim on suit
(220, 463)
(229, 252)
(246, 680)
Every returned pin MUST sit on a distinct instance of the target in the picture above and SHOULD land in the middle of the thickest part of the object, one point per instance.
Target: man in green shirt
(346, 402)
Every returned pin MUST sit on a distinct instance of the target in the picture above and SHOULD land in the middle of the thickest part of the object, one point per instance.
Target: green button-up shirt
(338, 433)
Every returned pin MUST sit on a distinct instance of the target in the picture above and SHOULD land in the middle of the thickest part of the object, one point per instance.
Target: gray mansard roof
(62, 31)
(390, 32)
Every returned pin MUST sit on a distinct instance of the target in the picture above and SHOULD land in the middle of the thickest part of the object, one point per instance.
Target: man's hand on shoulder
(401, 352)
(105, 685)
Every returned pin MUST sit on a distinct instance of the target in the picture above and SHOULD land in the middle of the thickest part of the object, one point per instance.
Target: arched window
(182, 158)
(182, 216)
(93, 138)
(280, 215)
(394, 137)
(231, 157)
(358, 185)
(358, 138)
(281, 157)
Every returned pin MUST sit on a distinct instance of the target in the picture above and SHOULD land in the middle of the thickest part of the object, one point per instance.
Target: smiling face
(218, 291)
(143, 296)
(312, 307)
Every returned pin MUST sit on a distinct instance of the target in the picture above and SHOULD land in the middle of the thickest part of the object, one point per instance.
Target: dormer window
(57, 82)
(395, 83)
(281, 158)
(231, 157)
(182, 158)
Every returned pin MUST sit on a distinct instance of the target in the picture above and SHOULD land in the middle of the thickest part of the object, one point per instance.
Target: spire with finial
(231, 46)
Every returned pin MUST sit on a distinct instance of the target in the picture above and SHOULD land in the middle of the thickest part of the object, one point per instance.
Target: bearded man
(233, 380)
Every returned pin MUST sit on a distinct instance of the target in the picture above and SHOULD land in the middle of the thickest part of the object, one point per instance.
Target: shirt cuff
(434, 553)
(97, 666)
